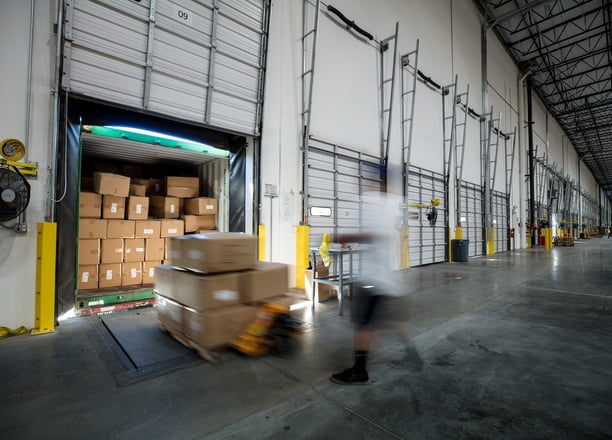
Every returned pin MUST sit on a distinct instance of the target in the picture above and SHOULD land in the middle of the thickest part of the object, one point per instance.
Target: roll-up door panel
(472, 210)
(190, 61)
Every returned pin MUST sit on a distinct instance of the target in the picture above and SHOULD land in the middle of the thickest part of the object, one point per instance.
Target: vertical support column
(45, 279)
(301, 255)
(530, 158)
(484, 136)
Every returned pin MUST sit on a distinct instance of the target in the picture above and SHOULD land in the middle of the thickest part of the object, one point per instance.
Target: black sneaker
(350, 377)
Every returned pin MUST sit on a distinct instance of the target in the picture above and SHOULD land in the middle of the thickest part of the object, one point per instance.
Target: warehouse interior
(174, 175)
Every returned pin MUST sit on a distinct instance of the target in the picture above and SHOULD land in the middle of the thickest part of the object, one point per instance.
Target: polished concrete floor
(516, 345)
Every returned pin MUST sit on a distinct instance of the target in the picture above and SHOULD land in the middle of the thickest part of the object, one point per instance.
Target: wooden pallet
(204, 353)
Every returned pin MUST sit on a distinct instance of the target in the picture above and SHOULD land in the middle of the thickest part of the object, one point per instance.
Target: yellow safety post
(45, 279)
(458, 233)
(491, 241)
(301, 254)
(548, 242)
(404, 248)
(262, 242)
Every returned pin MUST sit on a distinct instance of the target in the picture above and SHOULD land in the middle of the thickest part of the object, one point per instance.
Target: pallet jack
(272, 330)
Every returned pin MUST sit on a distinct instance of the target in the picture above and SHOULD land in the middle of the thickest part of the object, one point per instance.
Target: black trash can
(460, 250)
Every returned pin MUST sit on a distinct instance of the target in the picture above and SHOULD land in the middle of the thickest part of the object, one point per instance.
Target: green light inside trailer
(153, 138)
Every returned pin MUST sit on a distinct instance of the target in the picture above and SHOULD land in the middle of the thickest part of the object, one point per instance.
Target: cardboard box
(164, 207)
(172, 228)
(200, 292)
(167, 248)
(88, 252)
(92, 228)
(214, 252)
(90, 205)
(323, 291)
(148, 271)
(170, 314)
(131, 273)
(147, 229)
(201, 206)
(88, 277)
(113, 207)
(137, 208)
(133, 250)
(111, 250)
(112, 184)
(219, 327)
(185, 187)
(155, 249)
(138, 189)
(264, 281)
(109, 275)
(156, 187)
(120, 228)
(195, 223)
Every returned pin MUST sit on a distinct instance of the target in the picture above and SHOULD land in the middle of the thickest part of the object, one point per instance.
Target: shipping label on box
(92, 228)
(200, 206)
(147, 229)
(131, 273)
(133, 250)
(138, 208)
(113, 207)
(111, 250)
(164, 207)
(195, 223)
(112, 184)
(184, 187)
(148, 271)
(155, 249)
(88, 277)
(172, 228)
(109, 275)
(90, 205)
(120, 229)
(89, 252)
(264, 281)
(219, 327)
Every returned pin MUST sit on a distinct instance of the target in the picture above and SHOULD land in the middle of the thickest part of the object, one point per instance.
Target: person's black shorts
(372, 307)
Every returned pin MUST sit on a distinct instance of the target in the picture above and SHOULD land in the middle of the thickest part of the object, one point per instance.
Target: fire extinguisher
(511, 232)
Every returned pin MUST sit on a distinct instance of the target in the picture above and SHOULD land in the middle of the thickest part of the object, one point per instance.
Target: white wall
(18, 251)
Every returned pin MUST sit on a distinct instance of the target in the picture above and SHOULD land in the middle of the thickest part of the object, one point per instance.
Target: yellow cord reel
(12, 149)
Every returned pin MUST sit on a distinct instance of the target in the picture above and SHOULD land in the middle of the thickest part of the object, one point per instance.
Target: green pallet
(89, 299)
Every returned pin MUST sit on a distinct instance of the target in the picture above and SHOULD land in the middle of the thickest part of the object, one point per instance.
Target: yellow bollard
(301, 254)
(491, 241)
(45, 279)
(262, 242)
(404, 248)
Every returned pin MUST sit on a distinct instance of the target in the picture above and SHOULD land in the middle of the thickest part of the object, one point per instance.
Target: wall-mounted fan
(14, 193)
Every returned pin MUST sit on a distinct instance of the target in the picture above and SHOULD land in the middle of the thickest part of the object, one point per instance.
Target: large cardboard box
(92, 228)
(219, 327)
(195, 223)
(113, 207)
(90, 205)
(200, 292)
(133, 250)
(111, 250)
(172, 228)
(109, 275)
(120, 228)
(88, 277)
(137, 208)
(214, 252)
(155, 249)
(264, 281)
(147, 229)
(164, 207)
(323, 291)
(138, 189)
(131, 273)
(184, 187)
(89, 252)
(148, 271)
(170, 314)
(201, 206)
(112, 184)
(167, 248)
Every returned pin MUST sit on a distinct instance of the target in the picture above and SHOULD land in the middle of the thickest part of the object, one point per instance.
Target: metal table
(340, 278)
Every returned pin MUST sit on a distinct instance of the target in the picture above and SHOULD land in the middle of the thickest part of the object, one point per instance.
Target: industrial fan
(14, 193)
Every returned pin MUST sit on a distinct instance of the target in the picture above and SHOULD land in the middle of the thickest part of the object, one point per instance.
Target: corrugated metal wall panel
(472, 210)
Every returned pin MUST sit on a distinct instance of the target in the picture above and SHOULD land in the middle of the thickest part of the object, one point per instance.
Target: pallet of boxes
(213, 289)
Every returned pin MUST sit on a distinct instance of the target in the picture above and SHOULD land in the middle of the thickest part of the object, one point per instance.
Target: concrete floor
(515, 345)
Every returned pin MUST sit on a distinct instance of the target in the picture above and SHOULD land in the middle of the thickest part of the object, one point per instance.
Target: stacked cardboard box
(212, 290)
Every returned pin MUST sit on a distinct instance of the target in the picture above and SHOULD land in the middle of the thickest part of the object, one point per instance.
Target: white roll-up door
(199, 61)
(472, 211)
(428, 243)
(501, 220)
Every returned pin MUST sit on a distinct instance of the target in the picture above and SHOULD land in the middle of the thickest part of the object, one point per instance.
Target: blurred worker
(376, 301)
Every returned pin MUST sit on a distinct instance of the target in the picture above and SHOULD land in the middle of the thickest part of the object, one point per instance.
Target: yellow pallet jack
(272, 330)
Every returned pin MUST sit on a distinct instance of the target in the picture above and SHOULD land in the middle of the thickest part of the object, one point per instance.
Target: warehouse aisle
(514, 345)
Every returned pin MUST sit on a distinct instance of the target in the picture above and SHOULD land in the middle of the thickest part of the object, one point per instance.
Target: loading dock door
(501, 219)
(428, 244)
(472, 211)
(198, 61)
